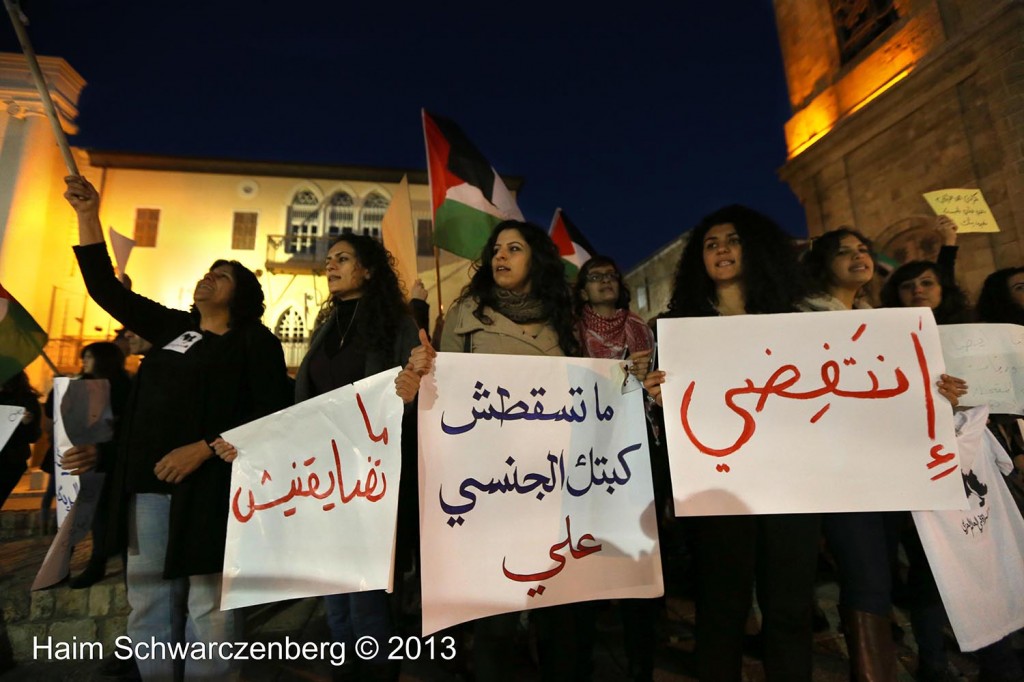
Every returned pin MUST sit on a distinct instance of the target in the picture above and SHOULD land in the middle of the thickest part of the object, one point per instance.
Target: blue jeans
(360, 614)
(172, 611)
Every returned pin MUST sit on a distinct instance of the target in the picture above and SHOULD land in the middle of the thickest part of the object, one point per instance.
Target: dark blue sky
(635, 118)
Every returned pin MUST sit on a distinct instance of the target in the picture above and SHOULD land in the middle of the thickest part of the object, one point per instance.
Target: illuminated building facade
(894, 98)
(184, 213)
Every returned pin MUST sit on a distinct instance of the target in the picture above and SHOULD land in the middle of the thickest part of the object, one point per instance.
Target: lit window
(147, 220)
(641, 298)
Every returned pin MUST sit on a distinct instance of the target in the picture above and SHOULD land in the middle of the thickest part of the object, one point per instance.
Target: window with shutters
(147, 220)
(243, 230)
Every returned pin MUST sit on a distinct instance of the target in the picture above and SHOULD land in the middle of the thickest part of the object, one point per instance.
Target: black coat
(178, 398)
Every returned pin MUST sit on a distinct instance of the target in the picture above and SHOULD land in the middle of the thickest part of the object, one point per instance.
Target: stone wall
(954, 119)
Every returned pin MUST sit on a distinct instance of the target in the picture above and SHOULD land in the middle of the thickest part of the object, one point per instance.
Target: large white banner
(808, 412)
(990, 357)
(535, 487)
(314, 497)
(81, 416)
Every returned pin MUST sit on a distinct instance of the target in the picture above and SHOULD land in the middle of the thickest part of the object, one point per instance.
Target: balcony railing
(296, 254)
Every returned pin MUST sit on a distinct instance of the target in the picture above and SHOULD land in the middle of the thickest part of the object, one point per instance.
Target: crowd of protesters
(217, 366)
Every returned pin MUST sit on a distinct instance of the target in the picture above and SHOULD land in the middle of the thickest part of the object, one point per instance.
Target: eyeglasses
(603, 277)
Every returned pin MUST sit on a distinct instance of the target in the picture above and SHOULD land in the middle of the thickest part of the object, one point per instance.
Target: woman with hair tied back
(738, 262)
(518, 303)
(211, 368)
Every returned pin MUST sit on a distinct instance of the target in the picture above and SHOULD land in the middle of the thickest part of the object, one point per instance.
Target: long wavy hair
(995, 303)
(771, 277)
(382, 304)
(817, 261)
(547, 282)
(247, 303)
(581, 283)
(953, 309)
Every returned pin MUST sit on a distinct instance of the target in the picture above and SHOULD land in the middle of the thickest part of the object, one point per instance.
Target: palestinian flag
(573, 247)
(21, 339)
(467, 195)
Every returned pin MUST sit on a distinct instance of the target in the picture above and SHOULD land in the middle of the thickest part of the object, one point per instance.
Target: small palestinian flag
(21, 338)
(467, 195)
(573, 247)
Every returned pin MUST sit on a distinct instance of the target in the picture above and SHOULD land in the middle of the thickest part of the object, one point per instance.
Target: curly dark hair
(547, 281)
(108, 359)
(247, 304)
(581, 282)
(817, 260)
(953, 309)
(995, 303)
(771, 277)
(382, 303)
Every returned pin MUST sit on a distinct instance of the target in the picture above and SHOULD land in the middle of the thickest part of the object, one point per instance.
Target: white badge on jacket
(184, 342)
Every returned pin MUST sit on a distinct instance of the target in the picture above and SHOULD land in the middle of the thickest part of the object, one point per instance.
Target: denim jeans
(172, 611)
(360, 614)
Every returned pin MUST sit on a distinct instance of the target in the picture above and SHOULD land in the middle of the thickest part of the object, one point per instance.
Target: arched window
(290, 327)
(303, 222)
(374, 206)
(340, 214)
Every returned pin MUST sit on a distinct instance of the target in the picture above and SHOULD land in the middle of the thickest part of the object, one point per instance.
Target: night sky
(636, 119)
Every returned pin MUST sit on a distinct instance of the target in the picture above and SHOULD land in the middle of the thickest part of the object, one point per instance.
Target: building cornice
(101, 158)
(18, 92)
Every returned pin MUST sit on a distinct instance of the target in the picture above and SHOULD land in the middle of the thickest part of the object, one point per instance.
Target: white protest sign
(535, 487)
(122, 246)
(314, 497)
(10, 418)
(808, 412)
(81, 416)
(77, 522)
(990, 358)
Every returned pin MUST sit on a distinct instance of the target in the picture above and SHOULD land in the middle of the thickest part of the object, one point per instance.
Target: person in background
(608, 329)
(15, 453)
(103, 360)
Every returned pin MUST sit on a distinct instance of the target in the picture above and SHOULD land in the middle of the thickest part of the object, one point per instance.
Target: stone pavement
(97, 614)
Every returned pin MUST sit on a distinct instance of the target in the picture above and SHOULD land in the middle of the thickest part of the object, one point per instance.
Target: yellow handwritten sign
(965, 207)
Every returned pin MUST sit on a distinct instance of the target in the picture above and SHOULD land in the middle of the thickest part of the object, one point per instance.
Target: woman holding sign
(518, 303)
(211, 368)
(739, 262)
(365, 328)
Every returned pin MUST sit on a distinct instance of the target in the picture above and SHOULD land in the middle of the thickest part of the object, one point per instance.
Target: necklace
(337, 323)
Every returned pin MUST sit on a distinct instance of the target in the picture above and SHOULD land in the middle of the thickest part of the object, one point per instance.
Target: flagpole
(44, 92)
(437, 270)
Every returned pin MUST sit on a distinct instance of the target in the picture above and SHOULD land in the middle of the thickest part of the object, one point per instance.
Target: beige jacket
(504, 337)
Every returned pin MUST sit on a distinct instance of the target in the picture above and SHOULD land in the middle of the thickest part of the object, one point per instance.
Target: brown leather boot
(869, 641)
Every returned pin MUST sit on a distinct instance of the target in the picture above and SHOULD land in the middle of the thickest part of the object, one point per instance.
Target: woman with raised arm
(518, 303)
(211, 368)
(740, 262)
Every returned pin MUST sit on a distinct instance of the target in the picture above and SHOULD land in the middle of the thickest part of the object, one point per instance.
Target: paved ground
(303, 621)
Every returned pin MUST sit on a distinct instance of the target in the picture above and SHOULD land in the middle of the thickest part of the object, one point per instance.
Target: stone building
(894, 98)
